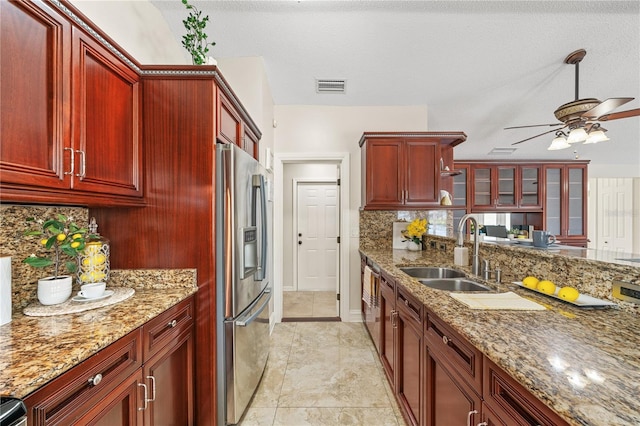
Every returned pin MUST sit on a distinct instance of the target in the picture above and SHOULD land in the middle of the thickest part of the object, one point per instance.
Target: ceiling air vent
(502, 151)
(331, 86)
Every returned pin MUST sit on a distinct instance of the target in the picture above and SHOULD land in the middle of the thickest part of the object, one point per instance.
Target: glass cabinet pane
(460, 189)
(553, 206)
(506, 186)
(576, 219)
(482, 185)
(530, 192)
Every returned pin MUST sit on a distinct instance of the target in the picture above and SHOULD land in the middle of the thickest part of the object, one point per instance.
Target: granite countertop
(35, 350)
(582, 363)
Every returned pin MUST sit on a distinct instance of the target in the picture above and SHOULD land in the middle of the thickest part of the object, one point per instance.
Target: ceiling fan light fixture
(560, 142)
(596, 136)
(577, 135)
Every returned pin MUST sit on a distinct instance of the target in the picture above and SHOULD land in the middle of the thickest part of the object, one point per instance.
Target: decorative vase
(413, 246)
(52, 290)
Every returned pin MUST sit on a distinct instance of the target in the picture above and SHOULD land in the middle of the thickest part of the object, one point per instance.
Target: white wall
(138, 27)
(308, 129)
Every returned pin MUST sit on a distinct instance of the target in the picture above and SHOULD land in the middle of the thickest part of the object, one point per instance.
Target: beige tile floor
(309, 304)
(322, 374)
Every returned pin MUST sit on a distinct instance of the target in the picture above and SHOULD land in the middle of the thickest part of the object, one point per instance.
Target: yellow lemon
(61, 237)
(76, 236)
(546, 287)
(530, 282)
(568, 293)
(100, 259)
(43, 241)
(75, 244)
(86, 261)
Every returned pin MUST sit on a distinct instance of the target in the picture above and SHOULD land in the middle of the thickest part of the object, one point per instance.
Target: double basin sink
(443, 279)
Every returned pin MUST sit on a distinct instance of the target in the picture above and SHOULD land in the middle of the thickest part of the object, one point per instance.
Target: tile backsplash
(13, 224)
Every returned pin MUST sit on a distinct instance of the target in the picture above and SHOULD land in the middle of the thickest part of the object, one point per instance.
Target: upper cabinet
(504, 186)
(403, 170)
(70, 113)
(234, 125)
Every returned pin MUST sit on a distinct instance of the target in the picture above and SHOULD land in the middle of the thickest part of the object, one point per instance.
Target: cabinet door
(530, 184)
(387, 327)
(409, 356)
(449, 400)
(250, 142)
(34, 94)
(106, 104)
(576, 188)
(553, 201)
(384, 173)
(422, 168)
(565, 203)
(504, 180)
(482, 196)
(169, 377)
(121, 407)
(229, 122)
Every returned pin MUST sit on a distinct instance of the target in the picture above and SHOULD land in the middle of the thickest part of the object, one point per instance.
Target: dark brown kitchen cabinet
(371, 311)
(409, 347)
(144, 378)
(70, 113)
(387, 326)
(510, 403)
(403, 170)
(233, 129)
(565, 195)
(506, 187)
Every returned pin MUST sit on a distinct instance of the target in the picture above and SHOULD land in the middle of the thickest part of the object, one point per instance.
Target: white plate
(524, 240)
(107, 293)
(583, 300)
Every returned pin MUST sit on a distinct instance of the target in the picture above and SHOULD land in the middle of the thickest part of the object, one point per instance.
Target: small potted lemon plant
(65, 240)
(413, 234)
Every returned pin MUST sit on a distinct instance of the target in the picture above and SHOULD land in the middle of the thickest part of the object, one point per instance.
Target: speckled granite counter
(34, 350)
(583, 363)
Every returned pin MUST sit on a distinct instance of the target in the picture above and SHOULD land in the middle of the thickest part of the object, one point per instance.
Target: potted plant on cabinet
(66, 239)
(195, 40)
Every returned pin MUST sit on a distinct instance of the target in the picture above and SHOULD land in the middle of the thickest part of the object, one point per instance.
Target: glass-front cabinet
(565, 203)
(505, 187)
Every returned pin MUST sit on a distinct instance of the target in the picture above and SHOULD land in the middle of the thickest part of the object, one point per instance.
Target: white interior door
(317, 236)
(614, 214)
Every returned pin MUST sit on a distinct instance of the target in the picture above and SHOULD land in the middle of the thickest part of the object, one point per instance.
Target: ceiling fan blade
(619, 115)
(533, 137)
(604, 107)
(534, 125)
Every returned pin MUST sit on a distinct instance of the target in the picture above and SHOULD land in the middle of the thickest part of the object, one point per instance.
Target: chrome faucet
(475, 262)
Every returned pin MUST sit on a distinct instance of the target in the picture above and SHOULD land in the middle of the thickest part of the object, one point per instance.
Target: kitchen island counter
(582, 363)
(35, 350)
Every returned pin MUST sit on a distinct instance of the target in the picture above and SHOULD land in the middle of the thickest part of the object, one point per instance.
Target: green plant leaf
(38, 262)
(71, 266)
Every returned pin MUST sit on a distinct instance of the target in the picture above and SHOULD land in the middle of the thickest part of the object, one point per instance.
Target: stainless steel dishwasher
(13, 412)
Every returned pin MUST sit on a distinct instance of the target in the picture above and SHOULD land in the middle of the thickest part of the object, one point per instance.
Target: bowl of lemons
(565, 293)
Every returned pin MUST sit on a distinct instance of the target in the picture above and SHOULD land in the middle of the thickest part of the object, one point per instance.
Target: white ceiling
(479, 66)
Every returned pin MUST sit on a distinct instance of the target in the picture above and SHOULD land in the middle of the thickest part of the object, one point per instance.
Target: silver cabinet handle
(153, 388)
(471, 413)
(95, 380)
(445, 339)
(145, 399)
(483, 424)
(73, 161)
(83, 164)
(172, 324)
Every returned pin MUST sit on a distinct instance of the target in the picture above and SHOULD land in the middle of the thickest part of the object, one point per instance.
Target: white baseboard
(289, 288)
(354, 316)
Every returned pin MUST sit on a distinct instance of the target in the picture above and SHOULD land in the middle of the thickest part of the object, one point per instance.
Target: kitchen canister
(93, 264)
(5, 289)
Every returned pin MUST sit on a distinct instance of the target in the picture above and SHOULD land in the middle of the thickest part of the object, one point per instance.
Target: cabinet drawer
(409, 306)
(512, 402)
(57, 402)
(167, 327)
(466, 360)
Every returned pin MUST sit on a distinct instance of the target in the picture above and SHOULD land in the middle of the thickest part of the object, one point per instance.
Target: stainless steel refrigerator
(242, 287)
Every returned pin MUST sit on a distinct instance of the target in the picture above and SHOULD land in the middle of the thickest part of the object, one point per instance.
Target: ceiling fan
(582, 115)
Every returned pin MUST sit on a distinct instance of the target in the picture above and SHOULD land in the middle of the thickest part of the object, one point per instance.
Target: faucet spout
(475, 262)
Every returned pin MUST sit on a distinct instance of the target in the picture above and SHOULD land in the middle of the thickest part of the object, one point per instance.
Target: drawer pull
(471, 413)
(172, 324)
(445, 339)
(95, 380)
(153, 388)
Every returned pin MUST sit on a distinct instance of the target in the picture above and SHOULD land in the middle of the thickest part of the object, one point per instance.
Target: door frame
(342, 161)
(320, 181)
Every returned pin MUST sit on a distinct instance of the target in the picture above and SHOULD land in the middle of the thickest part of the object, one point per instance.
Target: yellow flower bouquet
(415, 230)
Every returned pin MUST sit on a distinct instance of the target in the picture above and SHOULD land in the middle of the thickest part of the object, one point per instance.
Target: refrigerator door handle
(243, 322)
(258, 185)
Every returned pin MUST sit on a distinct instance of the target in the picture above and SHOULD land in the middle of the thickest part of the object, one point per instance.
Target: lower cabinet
(387, 326)
(144, 378)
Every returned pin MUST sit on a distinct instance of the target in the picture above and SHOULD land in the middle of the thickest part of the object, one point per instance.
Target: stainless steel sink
(432, 272)
(454, 284)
